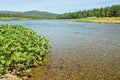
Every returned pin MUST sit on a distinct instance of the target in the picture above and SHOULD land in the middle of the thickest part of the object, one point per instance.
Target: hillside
(33, 13)
(39, 14)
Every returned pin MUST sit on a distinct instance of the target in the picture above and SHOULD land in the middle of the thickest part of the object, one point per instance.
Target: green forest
(109, 11)
(17, 15)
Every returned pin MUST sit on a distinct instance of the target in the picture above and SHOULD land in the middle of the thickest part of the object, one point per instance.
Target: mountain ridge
(33, 13)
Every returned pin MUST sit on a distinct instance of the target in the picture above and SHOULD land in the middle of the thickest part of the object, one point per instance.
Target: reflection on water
(80, 50)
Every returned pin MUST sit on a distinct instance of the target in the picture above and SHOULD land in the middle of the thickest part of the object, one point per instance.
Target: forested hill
(112, 11)
(41, 14)
(34, 14)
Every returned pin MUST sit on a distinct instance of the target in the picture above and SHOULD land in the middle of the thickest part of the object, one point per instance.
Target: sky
(54, 6)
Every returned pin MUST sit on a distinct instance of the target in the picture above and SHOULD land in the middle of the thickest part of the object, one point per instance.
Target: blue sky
(55, 6)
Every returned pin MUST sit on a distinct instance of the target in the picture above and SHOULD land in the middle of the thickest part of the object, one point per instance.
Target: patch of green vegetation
(21, 48)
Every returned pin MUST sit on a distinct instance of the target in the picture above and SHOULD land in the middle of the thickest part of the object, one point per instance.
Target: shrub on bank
(21, 48)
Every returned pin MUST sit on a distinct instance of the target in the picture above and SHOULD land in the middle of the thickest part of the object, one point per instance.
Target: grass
(12, 18)
(114, 20)
(16, 18)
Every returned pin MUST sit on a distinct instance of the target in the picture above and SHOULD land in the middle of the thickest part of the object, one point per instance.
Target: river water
(80, 51)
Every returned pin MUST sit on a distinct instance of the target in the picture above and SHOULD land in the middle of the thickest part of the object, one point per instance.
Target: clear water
(77, 45)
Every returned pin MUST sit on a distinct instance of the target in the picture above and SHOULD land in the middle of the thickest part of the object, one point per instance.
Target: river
(80, 51)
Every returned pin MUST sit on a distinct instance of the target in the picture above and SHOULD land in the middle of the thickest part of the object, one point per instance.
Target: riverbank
(12, 18)
(21, 18)
(113, 20)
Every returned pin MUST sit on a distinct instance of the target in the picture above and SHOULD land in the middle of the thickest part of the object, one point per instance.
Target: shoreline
(110, 20)
(14, 18)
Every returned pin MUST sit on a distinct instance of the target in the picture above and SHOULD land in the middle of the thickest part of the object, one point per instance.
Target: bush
(21, 48)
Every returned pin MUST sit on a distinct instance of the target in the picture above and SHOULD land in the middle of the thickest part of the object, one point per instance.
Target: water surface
(80, 50)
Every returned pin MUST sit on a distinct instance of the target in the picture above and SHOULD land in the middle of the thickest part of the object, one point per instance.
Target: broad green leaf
(21, 47)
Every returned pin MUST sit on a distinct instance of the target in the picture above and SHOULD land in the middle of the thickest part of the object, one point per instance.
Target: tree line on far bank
(113, 11)
(17, 15)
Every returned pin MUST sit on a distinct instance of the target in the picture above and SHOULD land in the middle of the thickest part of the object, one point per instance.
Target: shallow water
(80, 50)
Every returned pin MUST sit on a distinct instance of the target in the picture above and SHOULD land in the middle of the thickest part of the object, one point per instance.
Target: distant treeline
(17, 15)
(113, 11)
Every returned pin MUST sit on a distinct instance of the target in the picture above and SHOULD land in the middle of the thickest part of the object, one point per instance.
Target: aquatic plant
(21, 48)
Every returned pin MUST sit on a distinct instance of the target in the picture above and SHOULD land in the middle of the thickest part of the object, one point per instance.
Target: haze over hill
(33, 13)
(39, 14)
